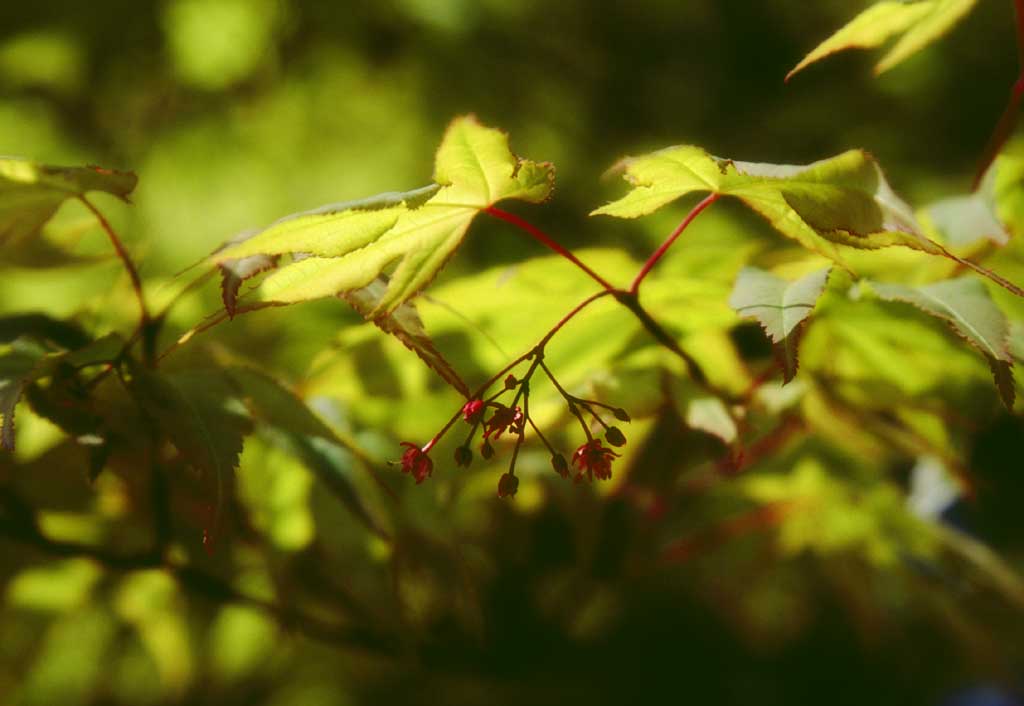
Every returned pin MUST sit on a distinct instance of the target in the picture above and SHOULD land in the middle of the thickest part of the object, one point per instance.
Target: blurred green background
(236, 112)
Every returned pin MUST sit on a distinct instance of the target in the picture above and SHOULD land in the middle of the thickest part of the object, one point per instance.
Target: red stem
(549, 242)
(653, 259)
(133, 275)
(537, 350)
(1007, 121)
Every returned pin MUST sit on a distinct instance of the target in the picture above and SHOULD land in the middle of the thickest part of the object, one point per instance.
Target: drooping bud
(463, 457)
(621, 414)
(560, 465)
(508, 484)
(511, 382)
(615, 437)
(486, 450)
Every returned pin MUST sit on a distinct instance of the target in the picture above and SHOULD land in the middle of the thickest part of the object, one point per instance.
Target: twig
(133, 274)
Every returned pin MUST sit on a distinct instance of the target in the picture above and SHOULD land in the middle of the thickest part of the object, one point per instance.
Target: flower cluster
(591, 460)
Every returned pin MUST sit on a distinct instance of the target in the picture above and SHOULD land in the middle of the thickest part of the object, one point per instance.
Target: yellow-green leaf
(31, 193)
(842, 200)
(918, 24)
(348, 248)
(965, 305)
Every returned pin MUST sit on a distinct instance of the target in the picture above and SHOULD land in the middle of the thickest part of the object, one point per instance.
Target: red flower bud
(615, 437)
(511, 382)
(463, 457)
(508, 484)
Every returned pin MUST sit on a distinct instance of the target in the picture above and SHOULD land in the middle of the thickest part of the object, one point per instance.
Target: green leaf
(1017, 340)
(1006, 181)
(778, 305)
(31, 193)
(350, 247)
(404, 324)
(234, 272)
(16, 368)
(965, 220)
(195, 411)
(302, 433)
(27, 362)
(842, 200)
(44, 329)
(965, 305)
(920, 23)
(709, 414)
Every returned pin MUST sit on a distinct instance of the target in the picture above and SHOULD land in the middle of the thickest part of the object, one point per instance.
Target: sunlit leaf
(826, 514)
(842, 200)
(780, 307)
(709, 414)
(917, 23)
(965, 305)
(404, 324)
(349, 248)
(777, 304)
(1006, 181)
(965, 220)
(31, 193)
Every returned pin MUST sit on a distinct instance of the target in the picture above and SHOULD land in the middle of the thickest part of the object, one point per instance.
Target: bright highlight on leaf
(404, 323)
(917, 24)
(31, 193)
(779, 306)
(347, 247)
(965, 305)
(842, 200)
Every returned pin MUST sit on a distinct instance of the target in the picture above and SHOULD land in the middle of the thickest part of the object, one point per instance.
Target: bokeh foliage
(819, 573)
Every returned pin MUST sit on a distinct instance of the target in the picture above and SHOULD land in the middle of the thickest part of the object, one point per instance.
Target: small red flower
(416, 462)
(593, 459)
(472, 411)
(501, 420)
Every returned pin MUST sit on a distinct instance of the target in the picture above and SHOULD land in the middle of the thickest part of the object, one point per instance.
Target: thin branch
(133, 274)
(653, 259)
(545, 239)
(759, 519)
(693, 368)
